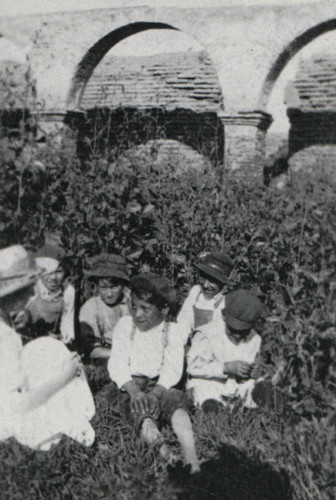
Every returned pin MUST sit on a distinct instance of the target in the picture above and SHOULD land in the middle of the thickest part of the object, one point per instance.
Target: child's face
(236, 336)
(110, 290)
(210, 286)
(53, 281)
(144, 314)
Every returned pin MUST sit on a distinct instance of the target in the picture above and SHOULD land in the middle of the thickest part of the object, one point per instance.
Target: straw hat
(18, 269)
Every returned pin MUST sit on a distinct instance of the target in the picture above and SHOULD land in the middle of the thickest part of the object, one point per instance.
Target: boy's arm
(173, 359)
(185, 318)
(118, 364)
(202, 362)
(67, 326)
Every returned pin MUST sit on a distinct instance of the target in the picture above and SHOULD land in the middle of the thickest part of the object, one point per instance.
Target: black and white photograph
(168, 250)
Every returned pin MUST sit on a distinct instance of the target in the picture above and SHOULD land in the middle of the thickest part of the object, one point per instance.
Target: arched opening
(300, 93)
(145, 82)
(287, 54)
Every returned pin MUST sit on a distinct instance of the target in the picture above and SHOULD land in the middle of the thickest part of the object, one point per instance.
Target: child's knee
(172, 400)
(211, 406)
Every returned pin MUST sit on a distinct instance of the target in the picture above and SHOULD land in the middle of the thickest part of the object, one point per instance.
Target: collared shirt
(102, 319)
(210, 349)
(186, 318)
(158, 352)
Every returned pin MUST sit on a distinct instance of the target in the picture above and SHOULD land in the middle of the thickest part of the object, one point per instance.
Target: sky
(20, 7)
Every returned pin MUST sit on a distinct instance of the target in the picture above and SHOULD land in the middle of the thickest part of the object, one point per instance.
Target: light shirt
(210, 349)
(101, 317)
(196, 298)
(68, 411)
(158, 352)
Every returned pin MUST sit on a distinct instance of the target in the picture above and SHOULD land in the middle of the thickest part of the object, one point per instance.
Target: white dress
(66, 412)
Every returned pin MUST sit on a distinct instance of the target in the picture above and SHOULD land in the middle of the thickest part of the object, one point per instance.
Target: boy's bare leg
(151, 434)
(149, 431)
(182, 427)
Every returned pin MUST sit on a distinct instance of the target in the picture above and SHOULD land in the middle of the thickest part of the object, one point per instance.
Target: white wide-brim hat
(18, 269)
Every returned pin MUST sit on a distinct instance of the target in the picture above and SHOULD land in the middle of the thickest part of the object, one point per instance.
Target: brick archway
(96, 53)
(287, 54)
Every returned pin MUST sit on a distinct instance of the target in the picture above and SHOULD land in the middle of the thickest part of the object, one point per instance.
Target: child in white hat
(43, 389)
(51, 310)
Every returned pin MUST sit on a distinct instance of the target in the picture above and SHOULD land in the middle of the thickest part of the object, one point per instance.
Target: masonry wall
(313, 119)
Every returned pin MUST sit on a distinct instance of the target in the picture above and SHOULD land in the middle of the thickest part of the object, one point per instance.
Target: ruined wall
(178, 96)
(312, 112)
(248, 46)
(181, 80)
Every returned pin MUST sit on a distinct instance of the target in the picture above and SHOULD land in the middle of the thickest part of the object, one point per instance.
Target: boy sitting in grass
(222, 360)
(206, 299)
(100, 314)
(146, 363)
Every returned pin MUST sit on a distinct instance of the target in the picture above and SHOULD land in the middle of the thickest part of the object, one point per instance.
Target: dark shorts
(170, 401)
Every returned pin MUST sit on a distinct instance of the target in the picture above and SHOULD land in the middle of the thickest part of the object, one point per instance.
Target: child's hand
(145, 403)
(19, 321)
(256, 371)
(239, 369)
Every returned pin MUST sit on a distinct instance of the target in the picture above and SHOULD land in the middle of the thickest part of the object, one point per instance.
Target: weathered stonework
(248, 46)
(181, 80)
(312, 111)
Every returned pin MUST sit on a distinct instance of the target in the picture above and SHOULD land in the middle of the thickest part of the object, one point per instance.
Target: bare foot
(149, 432)
(195, 467)
(168, 455)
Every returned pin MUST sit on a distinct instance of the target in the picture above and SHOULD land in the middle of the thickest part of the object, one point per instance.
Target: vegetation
(283, 244)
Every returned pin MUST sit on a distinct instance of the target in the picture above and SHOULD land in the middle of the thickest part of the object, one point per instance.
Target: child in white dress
(43, 389)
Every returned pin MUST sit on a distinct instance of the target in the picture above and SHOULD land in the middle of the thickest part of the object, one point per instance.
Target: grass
(246, 454)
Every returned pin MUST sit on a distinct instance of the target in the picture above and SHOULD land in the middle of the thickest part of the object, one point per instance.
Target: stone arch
(195, 135)
(287, 54)
(96, 53)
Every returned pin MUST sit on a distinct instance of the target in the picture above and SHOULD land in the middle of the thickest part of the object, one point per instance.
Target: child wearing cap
(100, 314)
(51, 310)
(206, 299)
(43, 389)
(222, 360)
(146, 363)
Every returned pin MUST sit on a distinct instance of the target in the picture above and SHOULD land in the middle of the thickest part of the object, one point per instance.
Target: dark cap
(242, 309)
(108, 265)
(216, 265)
(157, 285)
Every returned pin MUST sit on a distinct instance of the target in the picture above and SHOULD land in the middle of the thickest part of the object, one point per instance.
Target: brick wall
(313, 115)
(179, 80)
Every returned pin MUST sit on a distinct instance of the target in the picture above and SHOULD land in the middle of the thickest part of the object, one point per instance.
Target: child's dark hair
(149, 297)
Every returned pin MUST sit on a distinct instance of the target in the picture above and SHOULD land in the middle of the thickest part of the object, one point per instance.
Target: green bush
(283, 245)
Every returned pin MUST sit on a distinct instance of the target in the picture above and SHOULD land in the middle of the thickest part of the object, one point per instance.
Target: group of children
(126, 322)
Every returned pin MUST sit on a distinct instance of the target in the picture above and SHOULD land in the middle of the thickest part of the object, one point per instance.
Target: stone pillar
(245, 134)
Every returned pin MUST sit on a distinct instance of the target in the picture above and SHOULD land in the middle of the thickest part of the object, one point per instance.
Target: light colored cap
(18, 269)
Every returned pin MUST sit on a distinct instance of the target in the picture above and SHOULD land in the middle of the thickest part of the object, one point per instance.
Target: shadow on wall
(232, 476)
(111, 132)
(310, 129)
